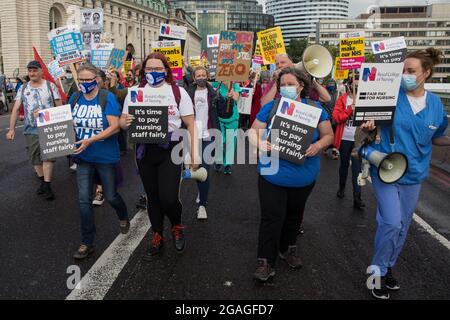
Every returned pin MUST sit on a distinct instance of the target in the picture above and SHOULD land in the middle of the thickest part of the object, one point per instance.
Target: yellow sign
(195, 61)
(338, 73)
(352, 50)
(272, 43)
(172, 51)
(127, 66)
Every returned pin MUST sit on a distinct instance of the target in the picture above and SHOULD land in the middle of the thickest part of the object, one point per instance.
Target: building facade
(26, 23)
(212, 16)
(422, 27)
(298, 18)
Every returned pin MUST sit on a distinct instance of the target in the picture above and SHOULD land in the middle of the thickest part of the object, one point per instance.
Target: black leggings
(281, 216)
(161, 179)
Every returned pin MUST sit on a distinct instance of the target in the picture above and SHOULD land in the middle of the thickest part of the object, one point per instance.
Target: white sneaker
(99, 199)
(201, 213)
(198, 199)
(74, 167)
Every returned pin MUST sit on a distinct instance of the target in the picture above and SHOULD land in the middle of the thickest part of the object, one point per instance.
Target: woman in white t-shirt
(160, 175)
(344, 141)
(203, 96)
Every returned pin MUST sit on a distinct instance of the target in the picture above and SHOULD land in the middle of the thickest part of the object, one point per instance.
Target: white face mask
(289, 92)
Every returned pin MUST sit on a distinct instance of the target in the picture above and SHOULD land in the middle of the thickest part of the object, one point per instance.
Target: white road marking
(100, 278)
(442, 240)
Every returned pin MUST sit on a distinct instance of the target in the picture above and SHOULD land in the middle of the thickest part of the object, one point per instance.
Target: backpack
(222, 105)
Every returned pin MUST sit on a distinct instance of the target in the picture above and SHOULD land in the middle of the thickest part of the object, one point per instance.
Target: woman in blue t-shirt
(420, 121)
(283, 192)
(96, 128)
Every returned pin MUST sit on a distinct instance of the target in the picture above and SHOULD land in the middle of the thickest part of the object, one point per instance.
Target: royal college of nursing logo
(369, 74)
(137, 96)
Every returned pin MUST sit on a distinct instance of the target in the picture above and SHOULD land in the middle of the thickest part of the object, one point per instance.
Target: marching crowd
(101, 117)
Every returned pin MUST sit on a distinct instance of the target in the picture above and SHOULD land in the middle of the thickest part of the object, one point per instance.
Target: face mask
(289, 92)
(88, 87)
(201, 82)
(155, 78)
(129, 79)
(69, 76)
(409, 82)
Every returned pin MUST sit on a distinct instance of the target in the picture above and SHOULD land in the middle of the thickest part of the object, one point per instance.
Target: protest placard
(272, 43)
(352, 46)
(117, 59)
(195, 61)
(173, 32)
(172, 51)
(151, 111)
(235, 56)
(213, 53)
(378, 90)
(55, 70)
(294, 123)
(66, 44)
(100, 55)
(390, 50)
(339, 74)
(92, 20)
(245, 101)
(56, 132)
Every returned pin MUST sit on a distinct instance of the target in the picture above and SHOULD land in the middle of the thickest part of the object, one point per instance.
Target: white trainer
(201, 213)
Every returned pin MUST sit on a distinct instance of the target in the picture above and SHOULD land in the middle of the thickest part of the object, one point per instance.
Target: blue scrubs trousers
(396, 204)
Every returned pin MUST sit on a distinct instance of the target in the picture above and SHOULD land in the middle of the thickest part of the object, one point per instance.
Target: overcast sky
(359, 6)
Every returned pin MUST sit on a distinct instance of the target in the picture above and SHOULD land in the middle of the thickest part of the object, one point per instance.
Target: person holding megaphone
(419, 122)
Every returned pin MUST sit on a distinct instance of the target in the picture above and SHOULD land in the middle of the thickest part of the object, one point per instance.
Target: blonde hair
(199, 68)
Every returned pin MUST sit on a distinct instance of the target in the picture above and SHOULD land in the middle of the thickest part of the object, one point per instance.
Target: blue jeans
(203, 187)
(85, 179)
(396, 204)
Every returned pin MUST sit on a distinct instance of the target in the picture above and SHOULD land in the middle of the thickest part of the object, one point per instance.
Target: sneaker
(381, 293)
(178, 238)
(74, 167)
(227, 170)
(124, 226)
(156, 247)
(264, 271)
(357, 201)
(41, 189)
(142, 203)
(391, 282)
(291, 258)
(217, 167)
(201, 213)
(83, 252)
(341, 193)
(99, 199)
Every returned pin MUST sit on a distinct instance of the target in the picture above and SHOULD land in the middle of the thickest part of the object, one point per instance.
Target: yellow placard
(172, 51)
(338, 73)
(272, 43)
(195, 61)
(127, 66)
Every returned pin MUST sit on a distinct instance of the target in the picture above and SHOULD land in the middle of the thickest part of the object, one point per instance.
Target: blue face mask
(88, 87)
(409, 82)
(289, 92)
(155, 78)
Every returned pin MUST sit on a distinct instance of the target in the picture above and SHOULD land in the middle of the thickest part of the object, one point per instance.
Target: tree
(296, 48)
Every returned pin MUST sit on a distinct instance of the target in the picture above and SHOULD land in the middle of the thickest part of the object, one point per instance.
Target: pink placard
(258, 60)
(351, 63)
(177, 74)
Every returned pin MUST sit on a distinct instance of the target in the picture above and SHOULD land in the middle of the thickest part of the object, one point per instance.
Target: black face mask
(201, 82)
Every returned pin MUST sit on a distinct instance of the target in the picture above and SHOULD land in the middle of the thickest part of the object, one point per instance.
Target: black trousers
(346, 151)
(282, 212)
(161, 179)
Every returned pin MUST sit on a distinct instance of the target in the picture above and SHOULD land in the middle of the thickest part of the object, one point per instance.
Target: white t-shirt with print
(185, 108)
(349, 129)
(36, 99)
(202, 112)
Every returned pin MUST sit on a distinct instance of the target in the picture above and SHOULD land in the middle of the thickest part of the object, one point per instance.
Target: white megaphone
(200, 175)
(317, 61)
(391, 167)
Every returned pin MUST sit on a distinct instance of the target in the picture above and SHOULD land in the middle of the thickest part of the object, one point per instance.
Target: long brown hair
(158, 56)
(429, 58)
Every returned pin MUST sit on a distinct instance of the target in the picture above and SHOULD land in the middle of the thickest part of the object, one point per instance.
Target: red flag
(47, 76)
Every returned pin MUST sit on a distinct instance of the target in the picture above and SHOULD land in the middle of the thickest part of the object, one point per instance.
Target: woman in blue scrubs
(420, 121)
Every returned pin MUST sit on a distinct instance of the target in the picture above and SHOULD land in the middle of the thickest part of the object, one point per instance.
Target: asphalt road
(37, 239)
